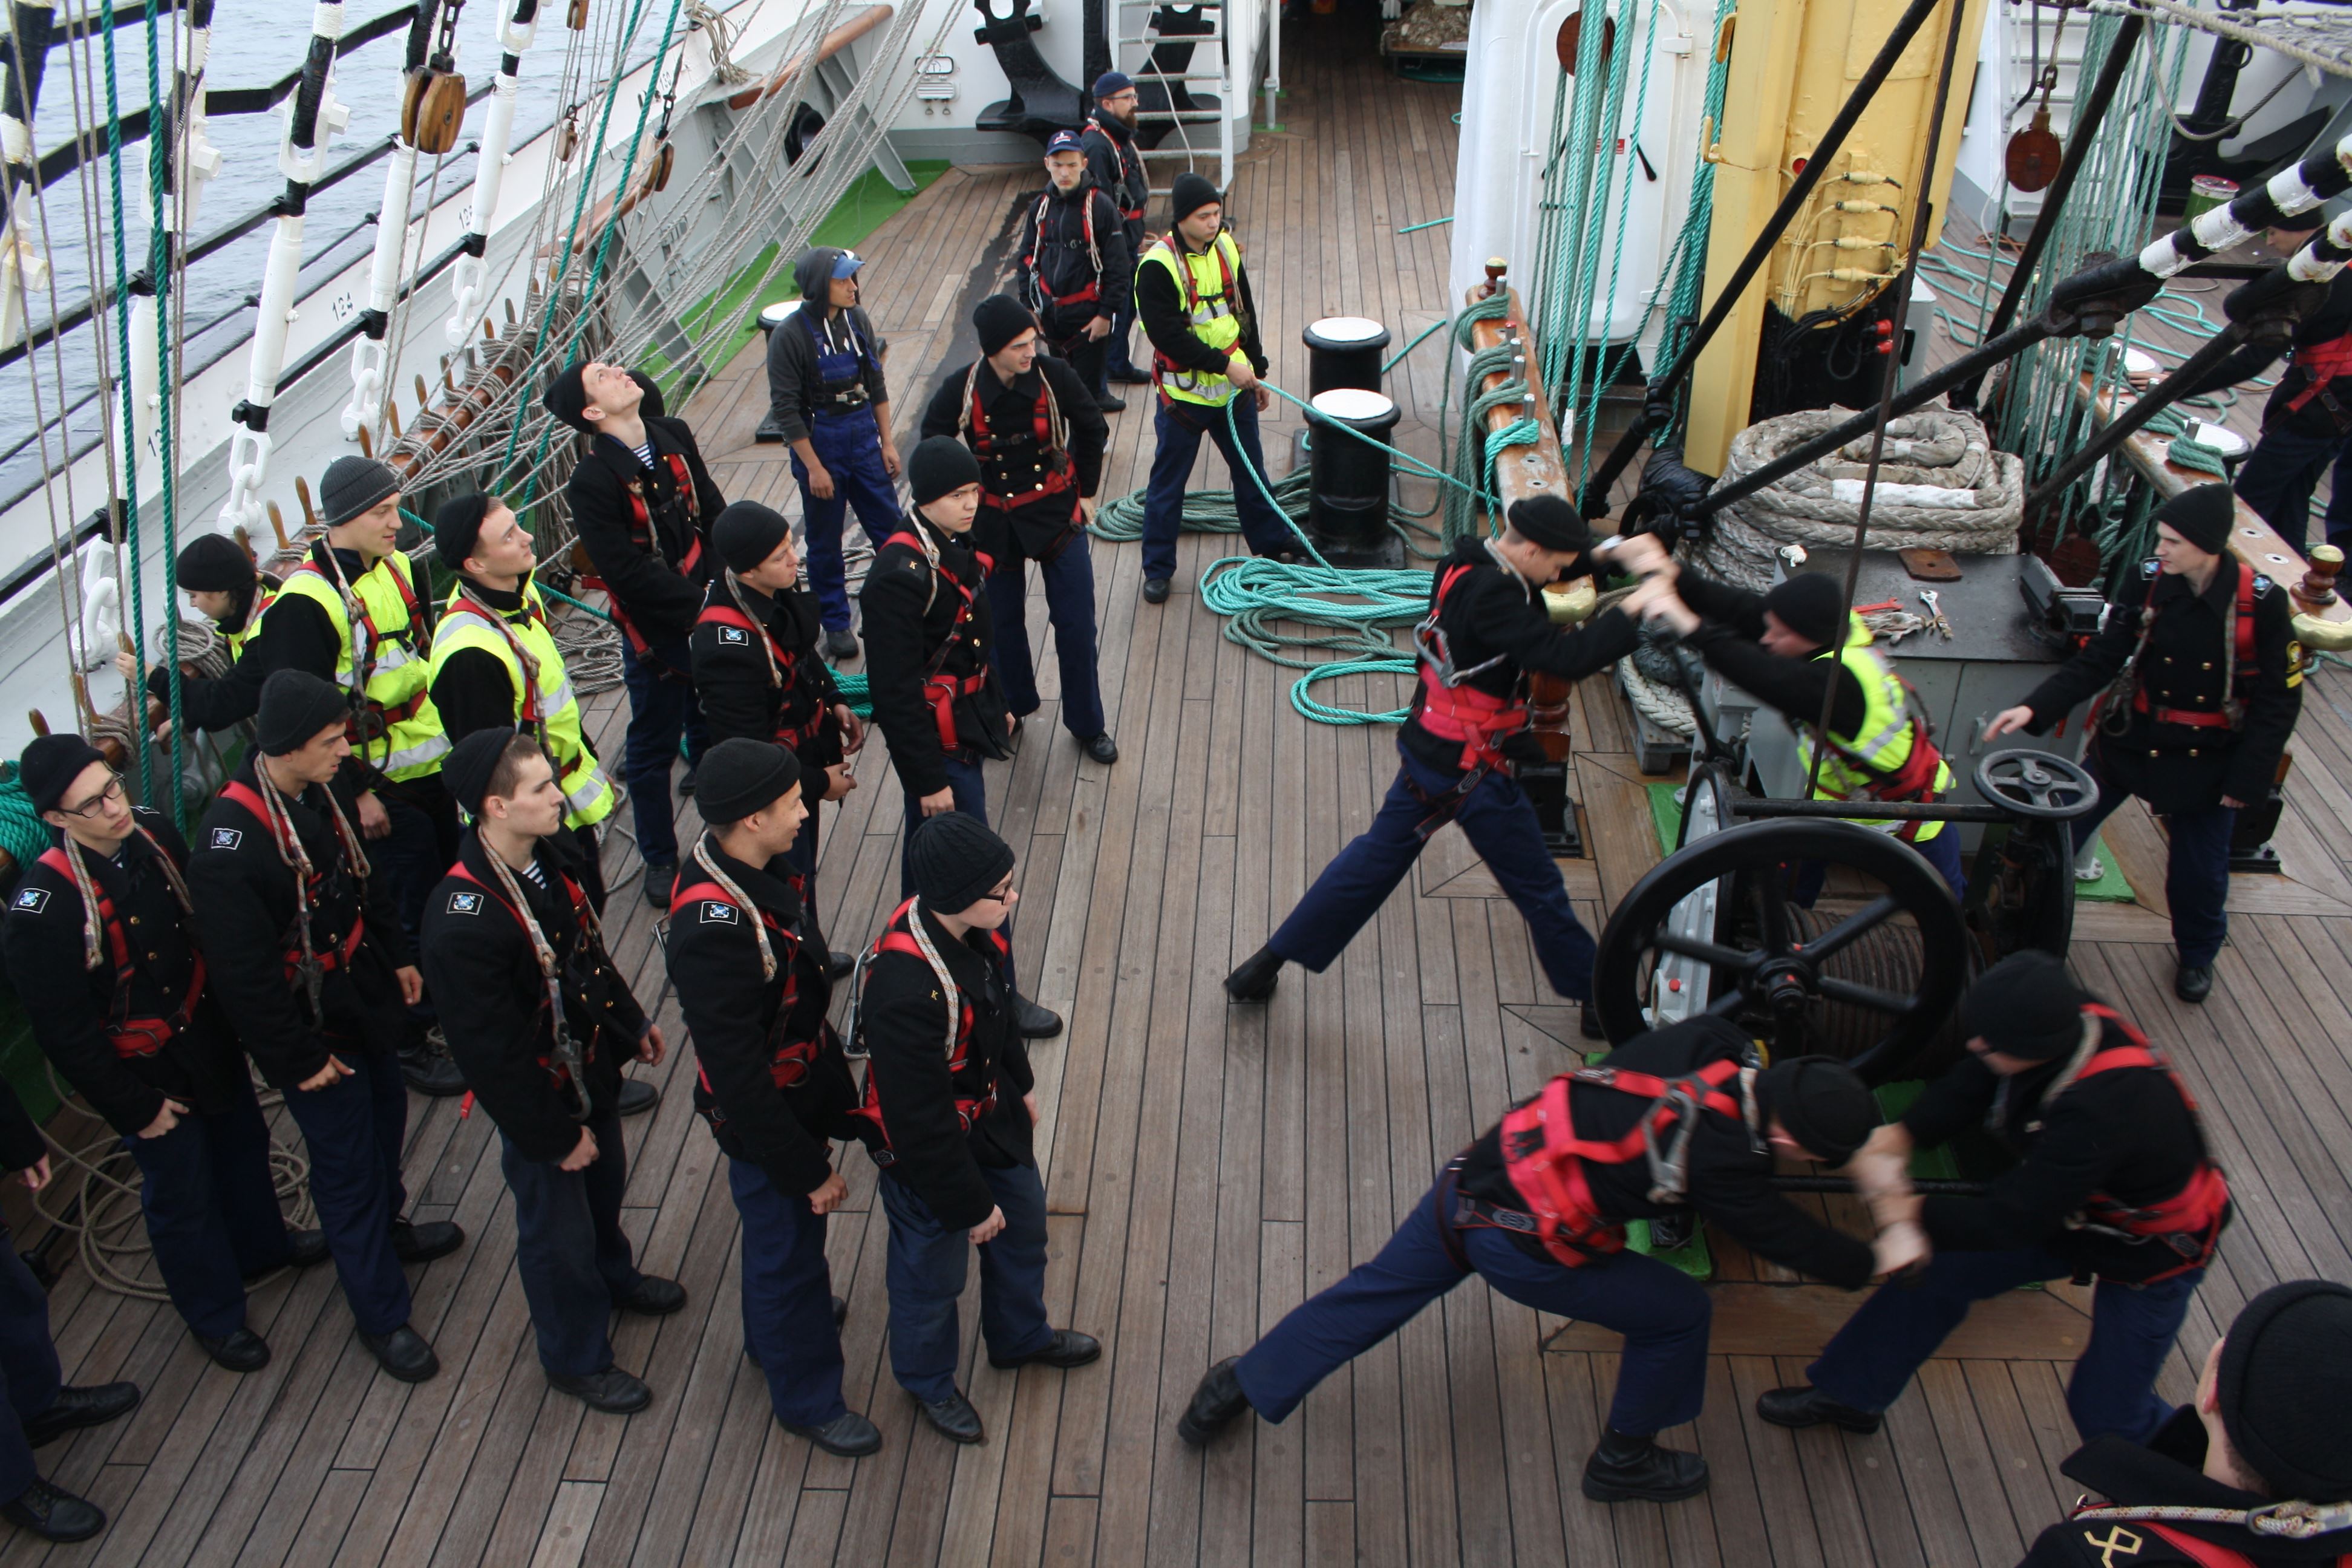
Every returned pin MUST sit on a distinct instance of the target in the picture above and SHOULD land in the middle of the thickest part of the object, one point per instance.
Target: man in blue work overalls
(827, 394)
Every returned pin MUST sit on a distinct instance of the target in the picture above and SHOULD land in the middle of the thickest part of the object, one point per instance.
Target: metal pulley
(2032, 161)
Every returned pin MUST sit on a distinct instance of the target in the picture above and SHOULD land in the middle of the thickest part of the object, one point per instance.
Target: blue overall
(1500, 822)
(211, 1210)
(849, 444)
(1661, 1310)
(2113, 1387)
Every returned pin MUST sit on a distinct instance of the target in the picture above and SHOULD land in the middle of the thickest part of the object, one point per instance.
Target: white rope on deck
(2316, 35)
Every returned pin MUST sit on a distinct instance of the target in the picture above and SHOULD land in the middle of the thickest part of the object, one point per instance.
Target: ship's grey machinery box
(1996, 656)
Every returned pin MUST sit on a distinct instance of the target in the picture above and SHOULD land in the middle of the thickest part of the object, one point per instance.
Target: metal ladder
(1145, 27)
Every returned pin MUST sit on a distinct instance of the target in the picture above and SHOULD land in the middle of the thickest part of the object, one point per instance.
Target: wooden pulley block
(576, 17)
(2033, 154)
(567, 140)
(658, 172)
(433, 110)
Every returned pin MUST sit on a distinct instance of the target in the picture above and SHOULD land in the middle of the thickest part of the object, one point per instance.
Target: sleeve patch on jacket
(464, 903)
(733, 634)
(227, 838)
(31, 900)
(716, 913)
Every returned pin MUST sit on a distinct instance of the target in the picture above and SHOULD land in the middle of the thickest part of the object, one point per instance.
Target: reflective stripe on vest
(400, 733)
(1888, 758)
(1207, 283)
(544, 699)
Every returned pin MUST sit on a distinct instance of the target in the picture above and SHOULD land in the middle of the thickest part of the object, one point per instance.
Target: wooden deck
(1207, 1166)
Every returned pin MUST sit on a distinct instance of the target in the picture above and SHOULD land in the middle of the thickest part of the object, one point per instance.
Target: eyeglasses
(111, 794)
(1000, 894)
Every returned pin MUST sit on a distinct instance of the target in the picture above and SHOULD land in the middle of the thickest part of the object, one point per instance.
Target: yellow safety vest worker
(1206, 283)
(265, 594)
(380, 658)
(544, 702)
(1878, 760)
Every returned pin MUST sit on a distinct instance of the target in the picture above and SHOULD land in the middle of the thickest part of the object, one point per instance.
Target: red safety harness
(641, 534)
(2189, 1221)
(528, 713)
(941, 690)
(1913, 779)
(792, 735)
(1545, 1159)
(1452, 709)
(2323, 363)
(369, 710)
(899, 937)
(248, 800)
(1046, 427)
(132, 1036)
(1161, 365)
(2238, 640)
(1131, 167)
(583, 918)
(1093, 290)
(789, 1061)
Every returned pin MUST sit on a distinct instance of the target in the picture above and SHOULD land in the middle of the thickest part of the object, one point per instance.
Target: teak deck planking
(1206, 1165)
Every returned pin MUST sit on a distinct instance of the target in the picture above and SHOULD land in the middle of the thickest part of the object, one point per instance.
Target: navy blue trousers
(2114, 1385)
(353, 1129)
(788, 1298)
(971, 798)
(28, 1365)
(2196, 867)
(2280, 474)
(1171, 465)
(570, 1249)
(1069, 578)
(211, 1211)
(926, 1275)
(1500, 823)
(662, 713)
(850, 447)
(1661, 1310)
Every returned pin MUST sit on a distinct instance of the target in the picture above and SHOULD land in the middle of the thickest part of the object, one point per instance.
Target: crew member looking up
(105, 955)
(541, 1020)
(1075, 267)
(1115, 167)
(1193, 295)
(222, 582)
(1795, 648)
(828, 395)
(1485, 630)
(1545, 1224)
(2202, 682)
(2113, 1181)
(1040, 444)
(642, 504)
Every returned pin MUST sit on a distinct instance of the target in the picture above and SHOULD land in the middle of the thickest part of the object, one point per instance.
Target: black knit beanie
(49, 766)
(465, 771)
(740, 776)
(1821, 1103)
(937, 465)
(2026, 1006)
(566, 396)
(1189, 194)
(2285, 1386)
(748, 534)
(350, 486)
(295, 706)
(213, 563)
(1549, 522)
(957, 861)
(999, 319)
(457, 527)
(1808, 604)
(2203, 516)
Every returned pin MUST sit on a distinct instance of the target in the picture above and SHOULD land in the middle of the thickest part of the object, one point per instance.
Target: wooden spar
(1519, 471)
(852, 28)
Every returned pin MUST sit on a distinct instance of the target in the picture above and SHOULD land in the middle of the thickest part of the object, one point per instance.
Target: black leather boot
(1801, 1404)
(1635, 1469)
(1214, 1405)
(1255, 979)
(2193, 982)
(53, 1513)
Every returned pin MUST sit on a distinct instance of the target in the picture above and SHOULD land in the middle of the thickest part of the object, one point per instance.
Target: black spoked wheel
(1869, 974)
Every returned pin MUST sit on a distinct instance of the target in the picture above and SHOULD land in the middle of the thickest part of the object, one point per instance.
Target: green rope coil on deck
(23, 834)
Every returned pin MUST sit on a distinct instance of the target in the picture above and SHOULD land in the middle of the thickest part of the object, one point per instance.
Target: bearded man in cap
(750, 966)
(951, 1130)
(1545, 1224)
(352, 615)
(1115, 167)
(758, 664)
(2254, 1472)
(1040, 444)
(1798, 648)
(1193, 295)
(1486, 631)
(311, 962)
(830, 403)
(221, 581)
(642, 504)
(2199, 682)
(2113, 1181)
(540, 1019)
(105, 953)
(1075, 266)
